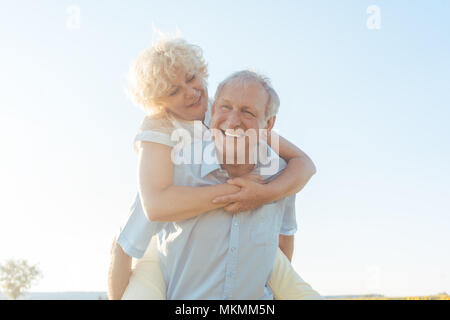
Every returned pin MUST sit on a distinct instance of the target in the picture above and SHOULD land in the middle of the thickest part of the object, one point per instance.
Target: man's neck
(237, 170)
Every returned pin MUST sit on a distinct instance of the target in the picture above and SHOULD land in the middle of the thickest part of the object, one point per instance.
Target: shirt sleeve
(135, 235)
(153, 136)
(158, 130)
(289, 223)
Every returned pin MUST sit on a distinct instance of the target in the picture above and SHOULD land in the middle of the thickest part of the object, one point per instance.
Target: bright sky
(370, 106)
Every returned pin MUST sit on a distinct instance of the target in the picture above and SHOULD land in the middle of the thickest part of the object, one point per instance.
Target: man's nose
(234, 120)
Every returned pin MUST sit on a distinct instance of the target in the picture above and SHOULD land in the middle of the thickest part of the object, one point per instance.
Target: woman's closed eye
(190, 79)
(173, 92)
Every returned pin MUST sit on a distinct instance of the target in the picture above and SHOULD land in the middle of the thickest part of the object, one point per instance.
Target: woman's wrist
(275, 191)
(269, 193)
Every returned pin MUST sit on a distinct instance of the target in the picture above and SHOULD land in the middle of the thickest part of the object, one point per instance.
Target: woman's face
(188, 97)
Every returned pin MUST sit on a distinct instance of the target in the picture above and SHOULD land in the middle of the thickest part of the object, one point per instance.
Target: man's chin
(236, 158)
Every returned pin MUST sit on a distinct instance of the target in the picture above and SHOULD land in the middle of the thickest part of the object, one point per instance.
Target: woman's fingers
(228, 198)
(237, 182)
(250, 177)
(254, 177)
(233, 208)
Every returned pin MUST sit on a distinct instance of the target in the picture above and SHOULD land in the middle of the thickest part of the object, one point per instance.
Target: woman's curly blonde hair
(152, 73)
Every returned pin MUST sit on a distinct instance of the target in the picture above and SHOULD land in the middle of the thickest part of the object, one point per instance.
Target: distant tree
(17, 276)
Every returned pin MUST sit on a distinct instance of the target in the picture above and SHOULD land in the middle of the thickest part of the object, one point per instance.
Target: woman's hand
(253, 194)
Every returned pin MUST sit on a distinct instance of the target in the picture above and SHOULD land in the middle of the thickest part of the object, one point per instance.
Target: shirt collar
(206, 167)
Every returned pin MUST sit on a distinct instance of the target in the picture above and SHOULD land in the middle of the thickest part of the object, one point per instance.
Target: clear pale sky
(371, 107)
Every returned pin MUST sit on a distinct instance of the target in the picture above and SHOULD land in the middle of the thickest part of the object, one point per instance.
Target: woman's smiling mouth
(196, 103)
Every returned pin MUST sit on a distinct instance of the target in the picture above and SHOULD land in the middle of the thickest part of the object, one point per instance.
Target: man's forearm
(119, 272)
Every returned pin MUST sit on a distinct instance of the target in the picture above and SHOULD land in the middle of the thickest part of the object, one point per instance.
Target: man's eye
(191, 78)
(248, 112)
(174, 92)
(225, 107)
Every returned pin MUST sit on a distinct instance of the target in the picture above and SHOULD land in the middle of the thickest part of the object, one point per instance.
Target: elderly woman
(169, 81)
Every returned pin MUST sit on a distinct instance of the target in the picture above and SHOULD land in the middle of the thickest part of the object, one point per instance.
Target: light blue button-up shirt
(216, 255)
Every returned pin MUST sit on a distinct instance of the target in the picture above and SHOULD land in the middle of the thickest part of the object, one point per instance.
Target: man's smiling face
(239, 107)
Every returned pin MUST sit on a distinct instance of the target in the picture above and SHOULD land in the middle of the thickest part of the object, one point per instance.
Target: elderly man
(218, 255)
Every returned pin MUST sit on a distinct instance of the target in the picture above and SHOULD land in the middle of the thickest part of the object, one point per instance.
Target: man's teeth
(234, 135)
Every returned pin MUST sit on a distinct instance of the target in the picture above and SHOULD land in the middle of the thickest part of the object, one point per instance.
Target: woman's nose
(191, 92)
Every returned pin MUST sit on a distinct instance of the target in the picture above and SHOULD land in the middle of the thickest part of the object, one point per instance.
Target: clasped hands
(253, 194)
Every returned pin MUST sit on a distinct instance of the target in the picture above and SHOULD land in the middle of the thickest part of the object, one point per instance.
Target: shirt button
(236, 224)
(233, 249)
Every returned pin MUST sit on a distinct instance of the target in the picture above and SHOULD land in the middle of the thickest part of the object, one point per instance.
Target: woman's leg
(146, 281)
(286, 284)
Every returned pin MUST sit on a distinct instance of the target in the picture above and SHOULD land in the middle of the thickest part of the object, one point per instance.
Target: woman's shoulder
(158, 123)
(156, 129)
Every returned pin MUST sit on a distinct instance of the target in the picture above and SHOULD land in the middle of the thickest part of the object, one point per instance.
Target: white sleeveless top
(159, 130)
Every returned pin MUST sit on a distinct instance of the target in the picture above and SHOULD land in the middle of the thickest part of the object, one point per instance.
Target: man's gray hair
(247, 76)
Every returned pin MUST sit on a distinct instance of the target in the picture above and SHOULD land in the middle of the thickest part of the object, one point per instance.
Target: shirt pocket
(263, 230)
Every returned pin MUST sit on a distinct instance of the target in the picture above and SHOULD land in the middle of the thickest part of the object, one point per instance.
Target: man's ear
(270, 123)
(213, 107)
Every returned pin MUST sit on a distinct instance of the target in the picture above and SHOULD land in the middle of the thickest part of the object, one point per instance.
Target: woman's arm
(291, 180)
(161, 200)
(296, 175)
